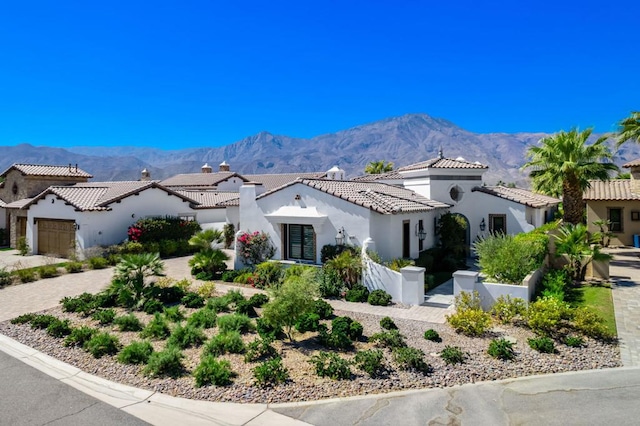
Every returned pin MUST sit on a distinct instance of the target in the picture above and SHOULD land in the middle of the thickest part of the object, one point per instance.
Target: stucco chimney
(224, 167)
(206, 168)
(335, 173)
(635, 179)
(145, 175)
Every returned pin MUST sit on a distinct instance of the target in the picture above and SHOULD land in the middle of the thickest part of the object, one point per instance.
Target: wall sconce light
(340, 236)
(133, 215)
(483, 225)
(420, 233)
(76, 226)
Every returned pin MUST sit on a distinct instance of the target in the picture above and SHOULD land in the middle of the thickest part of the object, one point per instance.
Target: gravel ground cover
(304, 384)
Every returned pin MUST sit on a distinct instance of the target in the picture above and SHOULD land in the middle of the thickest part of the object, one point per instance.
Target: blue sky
(208, 73)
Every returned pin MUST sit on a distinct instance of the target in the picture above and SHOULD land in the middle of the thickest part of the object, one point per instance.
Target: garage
(56, 236)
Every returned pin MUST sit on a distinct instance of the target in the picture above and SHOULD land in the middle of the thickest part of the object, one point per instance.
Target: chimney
(145, 175)
(635, 179)
(335, 173)
(206, 168)
(224, 167)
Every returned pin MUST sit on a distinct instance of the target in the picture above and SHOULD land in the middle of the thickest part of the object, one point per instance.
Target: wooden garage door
(56, 236)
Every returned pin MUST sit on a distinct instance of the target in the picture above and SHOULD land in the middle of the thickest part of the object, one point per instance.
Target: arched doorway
(467, 233)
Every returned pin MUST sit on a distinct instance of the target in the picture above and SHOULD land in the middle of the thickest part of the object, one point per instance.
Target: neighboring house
(617, 201)
(212, 208)
(25, 181)
(63, 218)
(223, 180)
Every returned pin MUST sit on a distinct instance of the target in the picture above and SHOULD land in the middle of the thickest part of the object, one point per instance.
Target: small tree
(134, 268)
(255, 248)
(348, 265)
(580, 248)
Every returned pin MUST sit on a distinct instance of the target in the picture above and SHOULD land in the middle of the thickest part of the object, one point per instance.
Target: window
(498, 223)
(614, 214)
(187, 217)
(301, 242)
(420, 242)
(455, 193)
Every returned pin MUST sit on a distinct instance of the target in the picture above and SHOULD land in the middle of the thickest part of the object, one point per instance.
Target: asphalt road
(30, 397)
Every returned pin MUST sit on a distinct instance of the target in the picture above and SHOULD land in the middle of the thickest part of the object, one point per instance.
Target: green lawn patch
(600, 300)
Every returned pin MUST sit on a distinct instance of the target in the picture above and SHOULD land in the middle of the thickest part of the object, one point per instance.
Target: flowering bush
(134, 233)
(255, 248)
(155, 229)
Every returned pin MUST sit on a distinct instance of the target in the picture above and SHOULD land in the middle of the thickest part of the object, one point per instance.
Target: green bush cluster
(173, 314)
(104, 316)
(73, 267)
(574, 341)
(453, 355)
(152, 306)
(203, 318)
(270, 372)
(501, 349)
(308, 322)
(268, 331)
(432, 335)
(542, 344)
(59, 328)
(225, 342)
(387, 324)
(5, 277)
(506, 309)
(102, 344)
(329, 364)
(554, 283)
(323, 309)
(128, 323)
(23, 319)
(408, 358)
(193, 300)
(469, 318)
(42, 321)
(589, 323)
(388, 339)
(97, 262)
(268, 274)
(508, 259)
(235, 322)
(370, 361)
(154, 229)
(186, 337)
(546, 314)
(165, 363)
(211, 371)
(258, 349)
(137, 352)
(47, 271)
(379, 298)
(25, 275)
(158, 328)
(80, 336)
(344, 331)
(357, 293)
(330, 284)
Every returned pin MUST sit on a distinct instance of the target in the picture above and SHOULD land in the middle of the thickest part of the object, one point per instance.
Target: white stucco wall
(386, 231)
(211, 218)
(230, 185)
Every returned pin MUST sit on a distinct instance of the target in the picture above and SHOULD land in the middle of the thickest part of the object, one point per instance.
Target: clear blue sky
(208, 73)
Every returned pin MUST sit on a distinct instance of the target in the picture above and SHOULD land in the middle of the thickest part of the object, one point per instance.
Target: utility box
(636, 241)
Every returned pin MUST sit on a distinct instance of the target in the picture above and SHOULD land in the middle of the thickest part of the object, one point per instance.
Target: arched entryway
(467, 234)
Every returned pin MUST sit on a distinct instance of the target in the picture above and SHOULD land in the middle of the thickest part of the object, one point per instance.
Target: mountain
(402, 140)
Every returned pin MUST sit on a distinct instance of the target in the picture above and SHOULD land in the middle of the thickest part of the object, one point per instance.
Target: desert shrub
(59, 328)
(47, 271)
(157, 328)
(222, 343)
(268, 331)
(170, 295)
(245, 277)
(370, 361)
(399, 263)
(218, 304)
(173, 314)
(336, 339)
(102, 344)
(329, 364)
(128, 323)
(346, 325)
(330, 251)
(136, 352)
(97, 262)
(268, 274)
(192, 300)
(501, 349)
(542, 344)
(270, 372)
(211, 371)
(358, 293)
(379, 298)
(554, 283)
(104, 316)
(230, 275)
(204, 318)
(5, 277)
(183, 284)
(23, 319)
(409, 358)
(453, 355)
(152, 306)
(42, 321)
(208, 264)
(589, 323)
(165, 363)
(258, 300)
(207, 289)
(245, 308)
(356, 330)
(79, 336)
(508, 259)
(22, 246)
(469, 318)
(432, 335)
(388, 339)
(259, 348)
(235, 322)
(546, 314)
(348, 265)
(186, 337)
(25, 275)
(79, 304)
(387, 324)
(329, 283)
(168, 247)
(506, 308)
(131, 247)
(235, 296)
(323, 309)
(73, 267)
(574, 341)
(308, 322)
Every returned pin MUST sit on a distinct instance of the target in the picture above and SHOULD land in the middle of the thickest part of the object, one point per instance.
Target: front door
(406, 239)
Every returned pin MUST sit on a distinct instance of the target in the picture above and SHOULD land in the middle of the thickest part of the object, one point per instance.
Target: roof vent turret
(206, 168)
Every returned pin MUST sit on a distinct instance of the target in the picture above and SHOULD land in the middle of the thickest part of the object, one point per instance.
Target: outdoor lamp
(483, 225)
(340, 237)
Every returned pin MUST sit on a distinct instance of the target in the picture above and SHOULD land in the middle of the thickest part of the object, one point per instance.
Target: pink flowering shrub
(255, 248)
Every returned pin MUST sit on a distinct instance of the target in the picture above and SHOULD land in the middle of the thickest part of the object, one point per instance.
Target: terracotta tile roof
(632, 163)
(614, 190)
(199, 180)
(379, 197)
(209, 199)
(97, 196)
(518, 195)
(47, 170)
(18, 204)
(392, 175)
(272, 181)
(443, 163)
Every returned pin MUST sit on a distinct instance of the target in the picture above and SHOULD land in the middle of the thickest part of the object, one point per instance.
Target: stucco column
(464, 281)
(412, 285)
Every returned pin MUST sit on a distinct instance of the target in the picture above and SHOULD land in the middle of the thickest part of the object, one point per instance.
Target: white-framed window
(300, 242)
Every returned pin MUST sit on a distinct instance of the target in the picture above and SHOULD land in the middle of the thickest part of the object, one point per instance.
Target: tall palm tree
(378, 167)
(630, 128)
(563, 164)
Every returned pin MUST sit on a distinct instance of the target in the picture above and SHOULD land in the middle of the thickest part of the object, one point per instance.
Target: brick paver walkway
(625, 273)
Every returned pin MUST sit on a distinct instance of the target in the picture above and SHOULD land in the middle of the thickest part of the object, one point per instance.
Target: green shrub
(506, 309)
(259, 349)
(432, 335)
(218, 304)
(387, 324)
(73, 267)
(208, 264)
(59, 328)
(222, 343)
(235, 296)
(336, 339)
(152, 306)
(355, 330)
(546, 314)
(399, 263)
(128, 323)
(157, 328)
(170, 295)
(165, 363)
(323, 309)
(245, 308)
(589, 323)
(270, 372)
(211, 371)
(136, 353)
(207, 289)
(542, 344)
(186, 337)
(47, 271)
(388, 339)
(268, 331)
(554, 283)
(25, 275)
(235, 322)
(258, 300)
(308, 322)
(168, 247)
(193, 300)
(329, 283)
(331, 251)
(204, 318)
(352, 328)
(574, 341)
(329, 364)
(97, 262)
(23, 319)
(469, 318)
(370, 361)
(379, 298)
(5, 277)
(229, 276)
(80, 336)
(153, 229)
(409, 358)
(246, 277)
(23, 246)
(358, 293)
(254, 248)
(83, 303)
(104, 316)
(453, 355)
(501, 349)
(102, 344)
(268, 274)
(42, 321)
(173, 314)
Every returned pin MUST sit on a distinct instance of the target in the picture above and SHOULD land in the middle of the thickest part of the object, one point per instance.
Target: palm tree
(210, 261)
(378, 167)
(630, 128)
(563, 164)
(580, 247)
(134, 268)
(204, 239)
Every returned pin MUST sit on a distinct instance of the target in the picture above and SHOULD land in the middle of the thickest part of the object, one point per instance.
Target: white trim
(298, 216)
